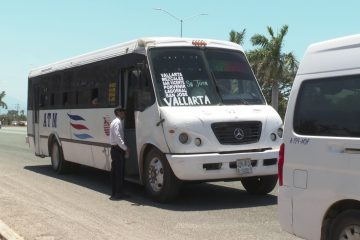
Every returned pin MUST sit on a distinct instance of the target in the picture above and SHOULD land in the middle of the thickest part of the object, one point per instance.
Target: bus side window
(52, 99)
(66, 88)
(145, 96)
(43, 97)
(42, 100)
(55, 90)
(81, 97)
(81, 84)
(111, 94)
(103, 88)
(95, 96)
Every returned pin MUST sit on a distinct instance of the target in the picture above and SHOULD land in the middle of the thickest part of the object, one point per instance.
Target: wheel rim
(156, 174)
(55, 156)
(351, 232)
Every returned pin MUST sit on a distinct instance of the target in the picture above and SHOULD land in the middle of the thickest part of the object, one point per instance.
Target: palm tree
(274, 69)
(2, 103)
(237, 37)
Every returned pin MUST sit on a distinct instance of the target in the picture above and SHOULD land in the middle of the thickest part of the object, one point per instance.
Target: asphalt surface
(39, 204)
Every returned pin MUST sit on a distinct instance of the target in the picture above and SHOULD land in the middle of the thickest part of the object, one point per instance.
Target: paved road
(39, 204)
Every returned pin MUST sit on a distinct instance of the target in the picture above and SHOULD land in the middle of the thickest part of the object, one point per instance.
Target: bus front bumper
(213, 166)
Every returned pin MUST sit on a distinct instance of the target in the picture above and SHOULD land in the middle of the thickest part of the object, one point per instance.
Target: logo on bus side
(79, 127)
(50, 120)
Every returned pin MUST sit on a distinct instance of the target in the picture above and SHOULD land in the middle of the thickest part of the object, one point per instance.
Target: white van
(319, 164)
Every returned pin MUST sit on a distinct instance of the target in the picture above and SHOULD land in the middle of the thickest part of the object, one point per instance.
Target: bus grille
(237, 132)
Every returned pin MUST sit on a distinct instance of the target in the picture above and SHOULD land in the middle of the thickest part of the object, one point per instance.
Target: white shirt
(117, 133)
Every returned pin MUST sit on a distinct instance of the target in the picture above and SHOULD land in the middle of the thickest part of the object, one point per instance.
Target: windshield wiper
(216, 86)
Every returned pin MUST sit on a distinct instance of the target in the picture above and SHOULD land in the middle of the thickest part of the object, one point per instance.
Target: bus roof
(135, 46)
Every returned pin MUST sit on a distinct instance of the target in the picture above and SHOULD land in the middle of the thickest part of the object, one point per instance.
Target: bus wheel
(58, 163)
(160, 182)
(346, 225)
(259, 185)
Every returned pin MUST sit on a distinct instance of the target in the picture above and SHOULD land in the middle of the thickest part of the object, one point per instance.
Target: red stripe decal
(79, 126)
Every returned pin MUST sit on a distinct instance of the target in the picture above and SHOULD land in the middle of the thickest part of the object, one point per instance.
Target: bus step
(133, 178)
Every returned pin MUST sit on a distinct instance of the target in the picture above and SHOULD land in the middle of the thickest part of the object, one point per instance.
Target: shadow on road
(192, 197)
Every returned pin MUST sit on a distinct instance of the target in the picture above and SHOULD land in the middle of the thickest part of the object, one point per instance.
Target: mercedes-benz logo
(239, 133)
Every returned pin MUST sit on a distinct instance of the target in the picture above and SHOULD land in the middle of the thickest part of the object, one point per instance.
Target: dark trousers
(117, 169)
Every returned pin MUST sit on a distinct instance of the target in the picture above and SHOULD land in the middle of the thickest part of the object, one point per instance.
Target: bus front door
(128, 84)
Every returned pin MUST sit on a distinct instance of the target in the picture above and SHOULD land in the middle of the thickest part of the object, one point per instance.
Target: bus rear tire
(346, 225)
(160, 182)
(59, 165)
(260, 185)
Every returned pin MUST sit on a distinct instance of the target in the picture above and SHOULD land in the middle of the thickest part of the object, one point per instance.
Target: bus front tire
(58, 163)
(160, 182)
(259, 185)
(346, 225)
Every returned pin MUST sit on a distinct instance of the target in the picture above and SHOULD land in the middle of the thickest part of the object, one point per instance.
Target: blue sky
(38, 32)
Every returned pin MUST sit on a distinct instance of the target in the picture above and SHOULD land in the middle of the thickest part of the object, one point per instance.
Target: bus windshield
(194, 76)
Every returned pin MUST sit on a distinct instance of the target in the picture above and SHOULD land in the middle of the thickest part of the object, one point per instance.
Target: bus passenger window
(52, 99)
(43, 98)
(95, 96)
(112, 94)
(65, 100)
(77, 97)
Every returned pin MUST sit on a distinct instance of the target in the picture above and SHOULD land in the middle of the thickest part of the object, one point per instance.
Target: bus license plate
(243, 166)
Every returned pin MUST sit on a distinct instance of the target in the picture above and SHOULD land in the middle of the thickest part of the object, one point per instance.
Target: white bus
(195, 112)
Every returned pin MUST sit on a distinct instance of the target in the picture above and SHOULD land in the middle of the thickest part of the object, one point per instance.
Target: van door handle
(160, 122)
(352, 150)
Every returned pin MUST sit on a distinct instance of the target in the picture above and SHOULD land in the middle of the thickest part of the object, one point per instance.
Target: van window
(329, 107)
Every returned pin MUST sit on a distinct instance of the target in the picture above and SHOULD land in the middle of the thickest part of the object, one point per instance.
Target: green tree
(2, 103)
(237, 37)
(274, 69)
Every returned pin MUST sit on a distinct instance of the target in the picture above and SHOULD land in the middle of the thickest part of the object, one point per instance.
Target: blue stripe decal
(83, 136)
(75, 117)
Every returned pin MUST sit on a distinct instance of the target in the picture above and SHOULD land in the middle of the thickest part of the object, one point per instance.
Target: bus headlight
(280, 132)
(273, 137)
(197, 141)
(183, 138)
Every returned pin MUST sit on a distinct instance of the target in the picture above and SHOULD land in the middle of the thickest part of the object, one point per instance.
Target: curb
(7, 233)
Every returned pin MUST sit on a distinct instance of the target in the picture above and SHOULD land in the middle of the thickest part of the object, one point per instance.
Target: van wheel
(160, 182)
(58, 163)
(259, 185)
(346, 226)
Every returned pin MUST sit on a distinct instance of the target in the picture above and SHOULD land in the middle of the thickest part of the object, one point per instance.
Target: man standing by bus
(118, 152)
